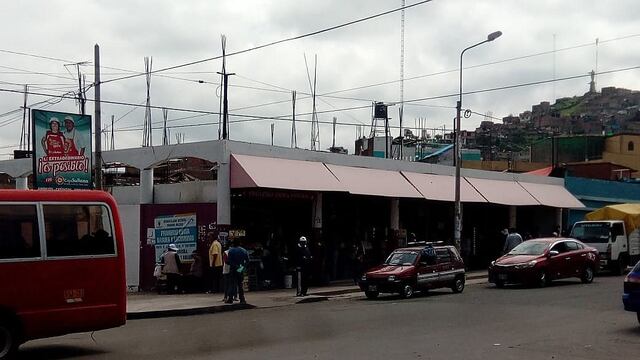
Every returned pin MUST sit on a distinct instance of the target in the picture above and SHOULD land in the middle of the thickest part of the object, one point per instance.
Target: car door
(445, 267)
(427, 274)
(558, 263)
(575, 258)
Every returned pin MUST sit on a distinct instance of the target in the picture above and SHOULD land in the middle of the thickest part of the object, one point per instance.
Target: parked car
(539, 261)
(408, 270)
(631, 295)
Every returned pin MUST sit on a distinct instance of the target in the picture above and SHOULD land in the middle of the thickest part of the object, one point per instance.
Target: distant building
(623, 149)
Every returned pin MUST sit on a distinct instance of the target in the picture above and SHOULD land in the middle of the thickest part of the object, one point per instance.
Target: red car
(412, 269)
(539, 261)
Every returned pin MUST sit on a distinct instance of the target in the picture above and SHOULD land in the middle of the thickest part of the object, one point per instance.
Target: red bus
(62, 267)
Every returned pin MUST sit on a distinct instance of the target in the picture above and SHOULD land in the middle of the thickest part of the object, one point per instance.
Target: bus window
(78, 230)
(19, 237)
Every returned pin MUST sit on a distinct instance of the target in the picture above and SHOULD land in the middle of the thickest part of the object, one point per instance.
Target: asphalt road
(568, 320)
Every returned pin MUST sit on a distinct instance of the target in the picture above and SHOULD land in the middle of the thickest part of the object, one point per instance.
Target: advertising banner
(62, 150)
(179, 229)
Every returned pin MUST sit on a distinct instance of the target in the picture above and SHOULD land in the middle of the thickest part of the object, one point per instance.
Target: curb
(312, 299)
(187, 312)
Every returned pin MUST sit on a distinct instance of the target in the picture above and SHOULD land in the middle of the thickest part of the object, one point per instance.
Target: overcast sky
(350, 61)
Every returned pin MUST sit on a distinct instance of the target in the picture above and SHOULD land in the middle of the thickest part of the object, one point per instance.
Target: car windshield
(401, 258)
(591, 232)
(530, 248)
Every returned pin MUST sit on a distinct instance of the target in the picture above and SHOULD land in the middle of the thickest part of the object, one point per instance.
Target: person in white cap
(303, 266)
(53, 141)
(170, 261)
(74, 144)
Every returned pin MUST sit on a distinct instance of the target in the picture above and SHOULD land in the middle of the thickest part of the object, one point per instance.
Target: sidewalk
(151, 305)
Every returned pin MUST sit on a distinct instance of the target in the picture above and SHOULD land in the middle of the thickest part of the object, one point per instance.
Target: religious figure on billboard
(73, 143)
(53, 141)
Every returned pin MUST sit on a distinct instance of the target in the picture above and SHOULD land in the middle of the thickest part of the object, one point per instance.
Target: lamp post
(457, 158)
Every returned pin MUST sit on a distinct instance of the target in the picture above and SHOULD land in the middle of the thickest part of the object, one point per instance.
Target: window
(571, 245)
(19, 237)
(560, 247)
(630, 146)
(78, 230)
(617, 229)
(443, 256)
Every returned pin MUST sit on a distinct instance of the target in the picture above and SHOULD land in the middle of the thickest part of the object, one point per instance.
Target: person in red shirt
(53, 141)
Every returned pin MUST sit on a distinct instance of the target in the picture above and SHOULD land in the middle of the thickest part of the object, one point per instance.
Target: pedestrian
(171, 268)
(357, 258)
(226, 281)
(238, 259)
(193, 281)
(513, 239)
(303, 266)
(215, 262)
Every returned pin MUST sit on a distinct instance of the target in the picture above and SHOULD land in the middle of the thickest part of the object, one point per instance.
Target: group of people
(57, 143)
(225, 271)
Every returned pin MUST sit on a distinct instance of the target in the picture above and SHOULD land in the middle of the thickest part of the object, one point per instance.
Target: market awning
(361, 181)
(503, 192)
(552, 195)
(442, 187)
(546, 171)
(263, 172)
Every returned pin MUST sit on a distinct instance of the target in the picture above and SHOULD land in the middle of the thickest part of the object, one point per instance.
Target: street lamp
(457, 158)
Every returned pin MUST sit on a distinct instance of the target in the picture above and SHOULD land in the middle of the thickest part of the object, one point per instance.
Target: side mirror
(553, 253)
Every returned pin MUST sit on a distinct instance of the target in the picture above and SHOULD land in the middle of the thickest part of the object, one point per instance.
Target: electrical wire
(297, 37)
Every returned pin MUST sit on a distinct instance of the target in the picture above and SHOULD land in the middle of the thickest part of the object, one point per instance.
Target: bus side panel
(57, 297)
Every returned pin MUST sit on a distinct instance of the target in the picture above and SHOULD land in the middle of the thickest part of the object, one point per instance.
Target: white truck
(617, 246)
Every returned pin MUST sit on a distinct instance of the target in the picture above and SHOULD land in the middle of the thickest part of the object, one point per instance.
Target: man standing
(303, 266)
(215, 262)
(238, 259)
(74, 144)
(513, 239)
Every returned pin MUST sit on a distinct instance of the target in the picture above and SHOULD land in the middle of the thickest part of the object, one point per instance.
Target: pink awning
(503, 192)
(375, 182)
(552, 195)
(442, 187)
(254, 171)
(546, 171)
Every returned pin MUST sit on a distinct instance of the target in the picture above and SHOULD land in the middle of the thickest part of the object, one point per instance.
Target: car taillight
(632, 278)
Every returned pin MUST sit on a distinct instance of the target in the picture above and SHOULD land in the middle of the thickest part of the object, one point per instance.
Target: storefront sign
(179, 229)
(62, 150)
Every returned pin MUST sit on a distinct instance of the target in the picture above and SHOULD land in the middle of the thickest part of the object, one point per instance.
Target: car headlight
(392, 278)
(364, 277)
(493, 263)
(530, 264)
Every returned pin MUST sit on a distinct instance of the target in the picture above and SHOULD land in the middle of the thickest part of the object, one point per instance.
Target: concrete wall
(188, 192)
(130, 219)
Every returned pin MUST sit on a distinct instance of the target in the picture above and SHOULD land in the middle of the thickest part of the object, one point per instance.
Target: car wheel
(371, 294)
(619, 267)
(8, 340)
(543, 279)
(587, 275)
(458, 285)
(407, 291)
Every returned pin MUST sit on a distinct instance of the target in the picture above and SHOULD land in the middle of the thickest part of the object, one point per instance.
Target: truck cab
(616, 246)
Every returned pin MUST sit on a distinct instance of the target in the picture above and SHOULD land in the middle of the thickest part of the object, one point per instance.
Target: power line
(313, 33)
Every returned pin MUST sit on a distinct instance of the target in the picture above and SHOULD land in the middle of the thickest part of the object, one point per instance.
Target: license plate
(372, 288)
(502, 276)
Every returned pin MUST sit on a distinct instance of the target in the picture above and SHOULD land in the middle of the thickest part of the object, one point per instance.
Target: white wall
(130, 219)
(187, 192)
(126, 195)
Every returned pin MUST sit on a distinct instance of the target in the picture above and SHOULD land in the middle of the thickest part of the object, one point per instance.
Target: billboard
(62, 150)
(179, 229)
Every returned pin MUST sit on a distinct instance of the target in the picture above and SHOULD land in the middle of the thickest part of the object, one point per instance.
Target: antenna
(315, 130)
(401, 109)
(294, 134)
(147, 131)
(165, 135)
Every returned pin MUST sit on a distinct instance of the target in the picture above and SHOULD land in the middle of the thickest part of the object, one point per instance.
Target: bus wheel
(8, 340)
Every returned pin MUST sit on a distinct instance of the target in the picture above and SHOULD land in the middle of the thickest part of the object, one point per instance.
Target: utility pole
(272, 128)
(294, 134)
(98, 121)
